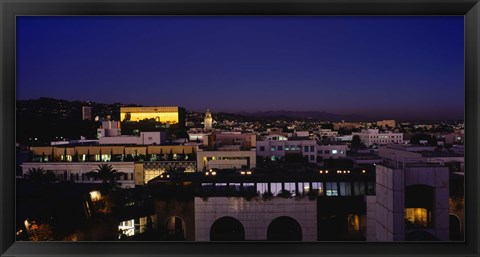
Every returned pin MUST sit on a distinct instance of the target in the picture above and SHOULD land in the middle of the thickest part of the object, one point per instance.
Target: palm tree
(39, 175)
(106, 173)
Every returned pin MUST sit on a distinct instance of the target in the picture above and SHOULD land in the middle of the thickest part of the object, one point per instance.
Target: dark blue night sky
(399, 67)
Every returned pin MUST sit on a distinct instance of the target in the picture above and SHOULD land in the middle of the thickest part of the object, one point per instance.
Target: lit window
(262, 188)
(353, 223)
(334, 151)
(418, 217)
(331, 188)
(127, 227)
(318, 187)
(290, 186)
(275, 188)
(272, 148)
(345, 189)
(358, 188)
(303, 188)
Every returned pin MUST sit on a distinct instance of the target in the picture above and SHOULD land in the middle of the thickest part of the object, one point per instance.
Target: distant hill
(313, 115)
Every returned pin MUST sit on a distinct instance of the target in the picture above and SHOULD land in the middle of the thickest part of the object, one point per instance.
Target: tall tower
(86, 113)
(208, 121)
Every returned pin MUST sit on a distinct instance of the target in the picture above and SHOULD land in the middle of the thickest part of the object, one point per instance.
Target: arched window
(284, 229)
(227, 229)
(455, 228)
(419, 200)
(175, 229)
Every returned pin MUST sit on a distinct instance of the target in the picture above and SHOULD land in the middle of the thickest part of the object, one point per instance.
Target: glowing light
(214, 173)
(321, 171)
(95, 195)
(249, 173)
(326, 172)
(206, 173)
(363, 171)
(242, 172)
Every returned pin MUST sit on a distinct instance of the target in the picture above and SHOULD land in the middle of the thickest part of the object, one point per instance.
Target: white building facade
(332, 151)
(225, 159)
(373, 137)
(277, 147)
(145, 138)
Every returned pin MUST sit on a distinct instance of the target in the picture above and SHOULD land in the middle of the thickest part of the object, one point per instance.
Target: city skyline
(395, 66)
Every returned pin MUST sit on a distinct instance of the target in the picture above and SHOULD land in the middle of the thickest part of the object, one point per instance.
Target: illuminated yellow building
(169, 115)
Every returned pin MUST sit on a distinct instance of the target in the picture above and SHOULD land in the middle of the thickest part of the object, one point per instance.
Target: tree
(75, 156)
(41, 232)
(39, 175)
(356, 142)
(183, 154)
(107, 174)
(192, 155)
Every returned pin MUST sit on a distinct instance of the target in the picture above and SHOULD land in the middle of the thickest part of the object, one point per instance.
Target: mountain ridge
(315, 115)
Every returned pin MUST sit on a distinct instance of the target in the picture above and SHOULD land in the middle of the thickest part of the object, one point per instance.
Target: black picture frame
(10, 8)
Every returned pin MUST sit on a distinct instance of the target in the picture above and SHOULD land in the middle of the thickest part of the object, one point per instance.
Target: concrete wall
(397, 154)
(390, 209)
(255, 215)
(371, 225)
(145, 138)
(390, 204)
(120, 140)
